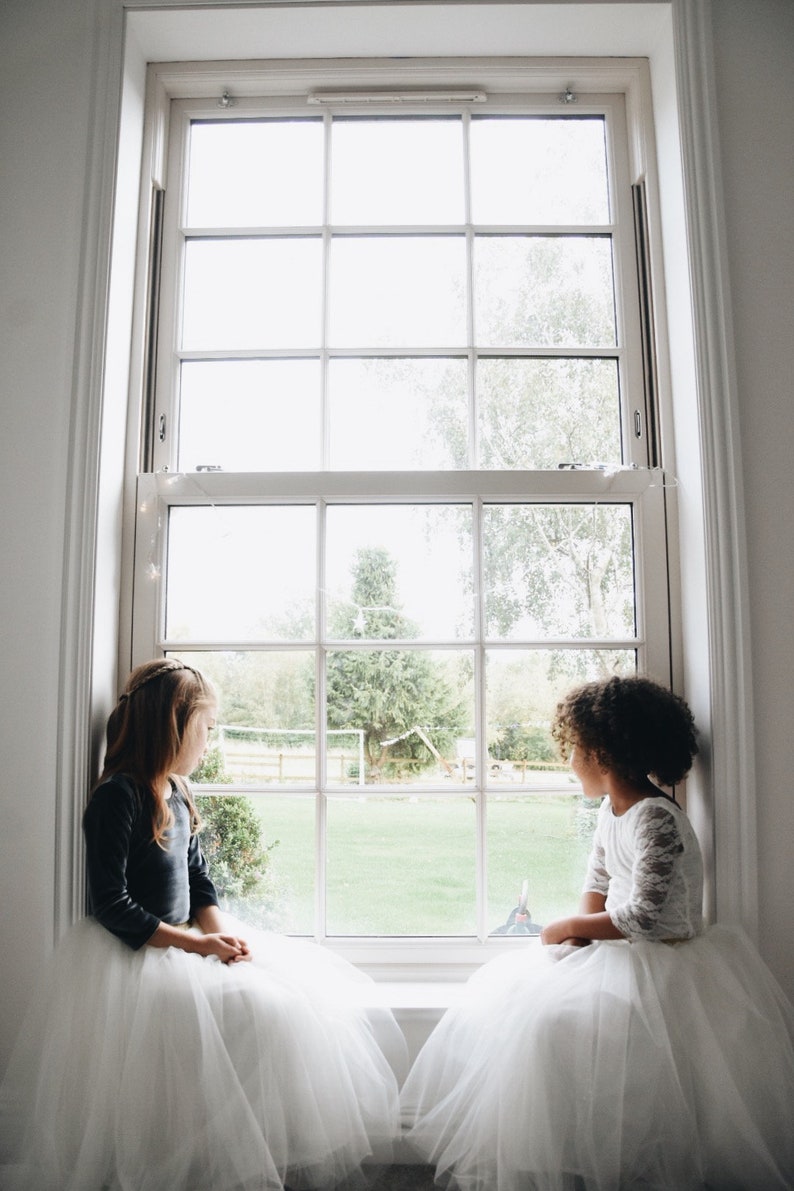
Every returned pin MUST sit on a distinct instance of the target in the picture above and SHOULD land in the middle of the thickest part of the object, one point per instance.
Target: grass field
(406, 866)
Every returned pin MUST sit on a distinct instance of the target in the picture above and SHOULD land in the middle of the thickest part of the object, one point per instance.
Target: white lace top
(647, 863)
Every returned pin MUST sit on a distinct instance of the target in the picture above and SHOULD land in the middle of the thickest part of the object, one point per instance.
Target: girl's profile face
(589, 773)
(194, 742)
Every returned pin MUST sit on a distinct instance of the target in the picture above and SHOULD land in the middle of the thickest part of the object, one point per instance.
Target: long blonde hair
(146, 729)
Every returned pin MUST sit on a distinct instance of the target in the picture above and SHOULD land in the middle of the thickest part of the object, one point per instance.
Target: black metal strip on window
(152, 322)
(650, 415)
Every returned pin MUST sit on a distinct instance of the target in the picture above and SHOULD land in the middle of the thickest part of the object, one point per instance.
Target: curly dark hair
(632, 726)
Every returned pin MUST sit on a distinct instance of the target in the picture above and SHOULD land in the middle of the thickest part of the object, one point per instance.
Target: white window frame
(179, 94)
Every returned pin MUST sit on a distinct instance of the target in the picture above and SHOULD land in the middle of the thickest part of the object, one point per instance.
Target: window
(397, 490)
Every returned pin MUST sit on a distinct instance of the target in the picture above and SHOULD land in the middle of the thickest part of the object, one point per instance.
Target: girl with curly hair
(636, 1048)
(171, 1049)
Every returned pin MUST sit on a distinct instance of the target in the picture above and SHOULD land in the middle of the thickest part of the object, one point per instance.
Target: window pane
(273, 754)
(255, 173)
(261, 854)
(399, 716)
(522, 690)
(265, 733)
(227, 578)
(545, 841)
(398, 414)
(531, 170)
(387, 874)
(288, 826)
(542, 413)
(398, 291)
(250, 415)
(242, 294)
(543, 291)
(399, 572)
(558, 571)
(397, 171)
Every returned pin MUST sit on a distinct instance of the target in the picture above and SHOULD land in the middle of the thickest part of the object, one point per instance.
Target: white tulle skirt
(158, 1070)
(622, 1065)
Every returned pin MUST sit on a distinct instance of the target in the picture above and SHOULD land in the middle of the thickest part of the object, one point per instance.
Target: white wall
(45, 72)
(48, 61)
(754, 60)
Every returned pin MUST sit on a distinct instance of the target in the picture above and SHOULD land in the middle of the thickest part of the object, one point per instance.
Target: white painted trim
(356, 28)
(81, 512)
(728, 602)
(495, 76)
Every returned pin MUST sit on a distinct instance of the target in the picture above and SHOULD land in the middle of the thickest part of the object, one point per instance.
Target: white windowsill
(417, 1005)
(419, 998)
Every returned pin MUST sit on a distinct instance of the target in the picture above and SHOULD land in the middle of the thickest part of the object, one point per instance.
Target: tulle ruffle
(158, 1070)
(643, 1065)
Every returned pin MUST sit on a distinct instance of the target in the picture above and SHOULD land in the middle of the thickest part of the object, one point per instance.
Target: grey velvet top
(133, 883)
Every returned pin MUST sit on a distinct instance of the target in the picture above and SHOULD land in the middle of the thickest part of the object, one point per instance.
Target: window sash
(642, 490)
(626, 351)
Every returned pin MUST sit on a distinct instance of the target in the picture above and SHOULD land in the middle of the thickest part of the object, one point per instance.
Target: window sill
(417, 1005)
(413, 998)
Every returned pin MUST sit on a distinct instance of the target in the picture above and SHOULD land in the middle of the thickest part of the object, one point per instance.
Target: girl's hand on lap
(228, 948)
(245, 951)
(560, 932)
(556, 932)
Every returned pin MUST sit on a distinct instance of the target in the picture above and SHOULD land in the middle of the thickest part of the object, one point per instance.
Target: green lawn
(406, 866)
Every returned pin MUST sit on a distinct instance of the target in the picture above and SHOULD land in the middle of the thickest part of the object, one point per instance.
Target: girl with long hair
(171, 1050)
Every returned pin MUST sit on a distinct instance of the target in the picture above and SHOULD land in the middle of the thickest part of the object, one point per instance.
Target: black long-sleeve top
(133, 883)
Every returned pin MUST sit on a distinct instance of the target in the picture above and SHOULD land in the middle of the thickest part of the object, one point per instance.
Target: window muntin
(489, 380)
